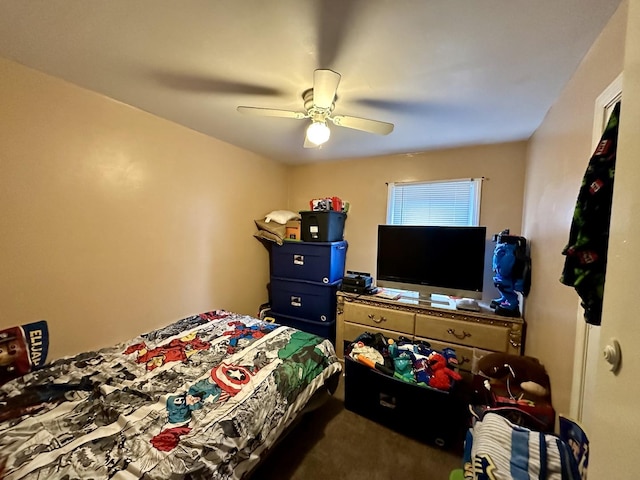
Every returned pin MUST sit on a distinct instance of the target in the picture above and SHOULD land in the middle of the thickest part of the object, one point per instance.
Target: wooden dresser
(442, 326)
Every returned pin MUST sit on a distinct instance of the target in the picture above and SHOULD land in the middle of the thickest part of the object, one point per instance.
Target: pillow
(281, 216)
(264, 235)
(273, 228)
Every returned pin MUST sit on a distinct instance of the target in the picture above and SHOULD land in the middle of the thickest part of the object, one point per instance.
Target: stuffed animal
(441, 375)
(404, 367)
(450, 355)
(402, 362)
(527, 372)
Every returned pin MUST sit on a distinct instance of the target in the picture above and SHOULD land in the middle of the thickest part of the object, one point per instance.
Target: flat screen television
(432, 259)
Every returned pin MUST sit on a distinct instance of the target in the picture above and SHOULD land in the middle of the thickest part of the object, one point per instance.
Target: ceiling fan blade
(364, 124)
(271, 112)
(325, 85)
(337, 20)
(209, 84)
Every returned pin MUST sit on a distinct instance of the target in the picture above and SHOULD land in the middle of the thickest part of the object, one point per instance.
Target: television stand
(471, 334)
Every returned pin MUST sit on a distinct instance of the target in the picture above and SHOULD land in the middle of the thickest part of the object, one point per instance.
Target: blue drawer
(313, 261)
(309, 300)
(322, 329)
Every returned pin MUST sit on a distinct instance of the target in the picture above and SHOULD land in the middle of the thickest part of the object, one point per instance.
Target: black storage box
(424, 413)
(327, 226)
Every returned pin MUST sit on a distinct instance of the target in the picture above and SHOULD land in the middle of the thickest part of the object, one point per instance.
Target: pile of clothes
(407, 360)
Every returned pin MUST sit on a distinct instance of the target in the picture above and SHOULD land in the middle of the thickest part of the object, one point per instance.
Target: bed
(205, 397)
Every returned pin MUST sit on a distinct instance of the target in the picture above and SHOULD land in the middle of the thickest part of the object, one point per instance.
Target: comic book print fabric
(201, 398)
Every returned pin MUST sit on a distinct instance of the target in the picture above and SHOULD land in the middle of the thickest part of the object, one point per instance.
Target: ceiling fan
(319, 103)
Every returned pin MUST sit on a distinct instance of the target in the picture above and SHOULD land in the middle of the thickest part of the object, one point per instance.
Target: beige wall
(558, 155)
(115, 222)
(363, 183)
(615, 418)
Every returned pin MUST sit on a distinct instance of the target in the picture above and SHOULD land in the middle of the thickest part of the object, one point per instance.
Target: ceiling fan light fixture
(318, 133)
(319, 102)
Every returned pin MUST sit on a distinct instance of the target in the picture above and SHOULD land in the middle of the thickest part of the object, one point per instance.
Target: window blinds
(445, 203)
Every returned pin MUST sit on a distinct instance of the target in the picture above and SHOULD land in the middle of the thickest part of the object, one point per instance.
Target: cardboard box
(292, 230)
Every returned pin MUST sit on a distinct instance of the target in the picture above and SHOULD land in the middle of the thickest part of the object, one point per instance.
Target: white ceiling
(446, 73)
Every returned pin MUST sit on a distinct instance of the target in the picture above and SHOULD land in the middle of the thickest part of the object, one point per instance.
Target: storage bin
(300, 298)
(322, 329)
(313, 261)
(325, 226)
(424, 413)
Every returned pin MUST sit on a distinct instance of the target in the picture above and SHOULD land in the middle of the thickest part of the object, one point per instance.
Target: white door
(614, 420)
(587, 346)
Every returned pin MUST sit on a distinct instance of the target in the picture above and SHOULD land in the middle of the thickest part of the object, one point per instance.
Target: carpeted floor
(335, 443)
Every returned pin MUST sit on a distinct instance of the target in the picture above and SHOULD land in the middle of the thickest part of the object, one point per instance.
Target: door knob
(613, 355)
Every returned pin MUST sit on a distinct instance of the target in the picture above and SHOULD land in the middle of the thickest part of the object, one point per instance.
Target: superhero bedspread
(201, 398)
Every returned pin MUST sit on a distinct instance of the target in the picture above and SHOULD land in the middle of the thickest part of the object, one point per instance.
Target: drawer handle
(464, 335)
(464, 360)
(373, 317)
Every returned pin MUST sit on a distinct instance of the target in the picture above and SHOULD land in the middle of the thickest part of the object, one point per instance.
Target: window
(446, 203)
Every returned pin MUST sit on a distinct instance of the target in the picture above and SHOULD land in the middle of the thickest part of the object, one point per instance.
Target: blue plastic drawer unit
(313, 261)
(300, 298)
(322, 329)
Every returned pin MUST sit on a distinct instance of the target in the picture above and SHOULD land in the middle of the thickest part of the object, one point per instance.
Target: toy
(14, 360)
(402, 362)
(450, 356)
(10, 348)
(421, 368)
(374, 365)
(512, 267)
(404, 367)
(527, 372)
(441, 375)
(393, 348)
(22, 349)
(366, 351)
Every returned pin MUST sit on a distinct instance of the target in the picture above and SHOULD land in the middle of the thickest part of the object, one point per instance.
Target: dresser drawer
(479, 335)
(463, 354)
(385, 318)
(467, 356)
